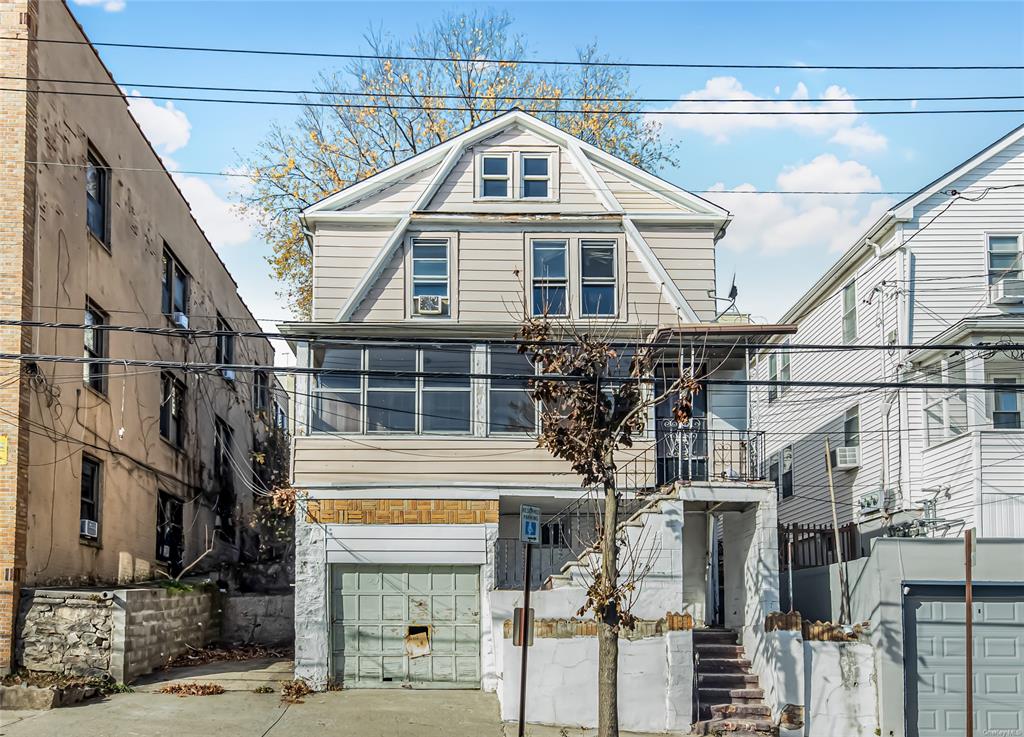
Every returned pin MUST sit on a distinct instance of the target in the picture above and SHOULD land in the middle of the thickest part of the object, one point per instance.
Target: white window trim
(509, 178)
(988, 253)
(451, 244)
(534, 278)
(614, 281)
(523, 177)
(487, 409)
(851, 412)
(1010, 381)
(852, 284)
(942, 400)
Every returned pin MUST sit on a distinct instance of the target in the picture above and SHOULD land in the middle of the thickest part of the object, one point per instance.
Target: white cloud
(774, 223)
(166, 127)
(844, 127)
(169, 130)
(111, 6)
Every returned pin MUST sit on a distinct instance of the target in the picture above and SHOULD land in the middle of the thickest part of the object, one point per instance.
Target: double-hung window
(511, 407)
(850, 312)
(225, 348)
(1005, 258)
(550, 277)
(169, 531)
(945, 410)
(430, 277)
(597, 278)
(390, 395)
(172, 409)
(1006, 405)
(402, 390)
(780, 471)
(851, 427)
(260, 391)
(95, 346)
(536, 176)
(496, 175)
(89, 526)
(174, 283)
(778, 370)
(97, 197)
(337, 393)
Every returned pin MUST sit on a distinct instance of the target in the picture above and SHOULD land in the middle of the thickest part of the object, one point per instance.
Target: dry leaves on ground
(215, 654)
(193, 689)
(293, 691)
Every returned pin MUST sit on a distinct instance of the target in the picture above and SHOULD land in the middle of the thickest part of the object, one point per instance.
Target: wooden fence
(815, 545)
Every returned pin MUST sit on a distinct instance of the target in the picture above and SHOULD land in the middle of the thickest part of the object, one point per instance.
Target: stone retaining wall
(65, 632)
(123, 633)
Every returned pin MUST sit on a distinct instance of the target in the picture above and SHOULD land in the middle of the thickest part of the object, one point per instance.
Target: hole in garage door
(405, 625)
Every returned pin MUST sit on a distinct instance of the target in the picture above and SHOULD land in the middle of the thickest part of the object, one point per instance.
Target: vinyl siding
(398, 197)
(688, 255)
(1002, 483)
(633, 198)
(323, 459)
(340, 257)
(950, 250)
(951, 465)
(805, 416)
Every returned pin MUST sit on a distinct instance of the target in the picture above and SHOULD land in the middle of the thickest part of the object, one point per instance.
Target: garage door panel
(373, 641)
(935, 666)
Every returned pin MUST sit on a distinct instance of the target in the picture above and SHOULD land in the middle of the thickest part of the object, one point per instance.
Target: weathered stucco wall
(267, 619)
(839, 684)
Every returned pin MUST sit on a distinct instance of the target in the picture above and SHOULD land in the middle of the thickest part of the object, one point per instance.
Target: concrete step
(741, 711)
(716, 650)
(734, 727)
(714, 637)
(726, 680)
(723, 665)
(716, 696)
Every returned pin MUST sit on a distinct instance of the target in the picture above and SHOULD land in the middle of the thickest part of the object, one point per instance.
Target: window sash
(225, 350)
(945, 411)
(172, 396)
(424, 282)
(598, 281)
(1006, 406)
(527, 179)
(1005, 258)
(773, 375)
(174, 285)
(550, 277)
(850, 312)
(97, 196)
(90, 489)
(506, 178)
(94, 346)
(851, 427)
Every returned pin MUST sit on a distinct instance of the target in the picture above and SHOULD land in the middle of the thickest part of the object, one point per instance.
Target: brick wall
(17, 234)
(402, 511)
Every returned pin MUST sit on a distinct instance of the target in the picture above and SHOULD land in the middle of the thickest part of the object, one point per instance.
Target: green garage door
(936, 663)
(395, 625)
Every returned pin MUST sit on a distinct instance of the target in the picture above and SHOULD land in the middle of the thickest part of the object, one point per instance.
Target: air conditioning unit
(88, 528)
(165, 551)
(846, 458)
(429, 304)
(180, 319)
(1006, 292)
(228, 374)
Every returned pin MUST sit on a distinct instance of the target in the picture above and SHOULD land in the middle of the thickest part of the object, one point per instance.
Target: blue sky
(777, 244)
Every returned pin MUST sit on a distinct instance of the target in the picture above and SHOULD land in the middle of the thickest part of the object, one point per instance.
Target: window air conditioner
(429, 304)
(846, 458)
(88, 528)
(1006, 292)
(180, 319)
(228, 374)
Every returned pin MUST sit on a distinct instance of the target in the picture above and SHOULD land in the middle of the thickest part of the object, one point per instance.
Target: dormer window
(536, 176)
(495, 175)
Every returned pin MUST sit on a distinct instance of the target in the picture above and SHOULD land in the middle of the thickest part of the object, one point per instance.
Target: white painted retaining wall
(655, 682)
(840, 695)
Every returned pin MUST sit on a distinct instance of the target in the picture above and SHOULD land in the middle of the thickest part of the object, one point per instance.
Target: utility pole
(969, 625)
(844, 604)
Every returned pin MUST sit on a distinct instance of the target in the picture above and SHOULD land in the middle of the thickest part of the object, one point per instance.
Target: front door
(682, 448)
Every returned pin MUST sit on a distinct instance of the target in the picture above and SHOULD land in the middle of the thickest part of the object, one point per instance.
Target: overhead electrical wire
(535, 62)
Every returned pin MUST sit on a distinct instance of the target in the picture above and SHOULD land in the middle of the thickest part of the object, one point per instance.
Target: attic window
(536, 176)
(495, 176)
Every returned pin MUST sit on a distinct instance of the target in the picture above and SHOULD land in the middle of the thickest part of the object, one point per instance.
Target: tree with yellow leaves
(383, 110)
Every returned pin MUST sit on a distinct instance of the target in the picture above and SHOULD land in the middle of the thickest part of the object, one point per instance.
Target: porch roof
(981, 330)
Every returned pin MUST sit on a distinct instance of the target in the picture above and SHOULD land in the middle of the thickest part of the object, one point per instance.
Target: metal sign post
(529, 533)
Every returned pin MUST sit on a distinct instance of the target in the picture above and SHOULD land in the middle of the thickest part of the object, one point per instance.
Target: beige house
(416, 434)
(110, 473)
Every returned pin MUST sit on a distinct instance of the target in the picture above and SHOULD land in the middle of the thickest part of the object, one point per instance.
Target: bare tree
(589, 414)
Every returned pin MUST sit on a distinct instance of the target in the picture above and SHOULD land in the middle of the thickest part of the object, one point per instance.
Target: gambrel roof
(613, 183)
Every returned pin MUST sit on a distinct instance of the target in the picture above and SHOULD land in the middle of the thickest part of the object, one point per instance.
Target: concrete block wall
(159, 623)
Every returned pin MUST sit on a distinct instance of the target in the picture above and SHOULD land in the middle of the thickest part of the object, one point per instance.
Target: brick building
(108, 473)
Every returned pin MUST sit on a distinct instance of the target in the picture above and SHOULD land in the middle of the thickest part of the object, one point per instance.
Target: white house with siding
(408, 555)
(939, 279)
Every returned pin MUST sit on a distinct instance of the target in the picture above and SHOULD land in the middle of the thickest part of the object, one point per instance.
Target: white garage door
(398, 625)
(935, 663)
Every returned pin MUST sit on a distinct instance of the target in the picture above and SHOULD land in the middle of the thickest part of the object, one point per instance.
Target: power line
(568, 111)
(514, 98)
(701, 341)
(536, 62)
(209, 367)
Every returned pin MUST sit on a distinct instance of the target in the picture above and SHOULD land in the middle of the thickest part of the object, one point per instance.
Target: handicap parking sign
(529, 524)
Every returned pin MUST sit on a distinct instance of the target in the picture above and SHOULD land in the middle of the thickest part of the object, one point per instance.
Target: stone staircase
(731, 702)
